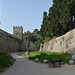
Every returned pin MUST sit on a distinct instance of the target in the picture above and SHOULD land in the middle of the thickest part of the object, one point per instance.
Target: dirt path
(24, 66)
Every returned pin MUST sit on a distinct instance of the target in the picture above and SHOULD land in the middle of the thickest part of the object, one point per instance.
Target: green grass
(2, 32)
(11, 35)
(49, 56)
(15, 37)
(5, 61)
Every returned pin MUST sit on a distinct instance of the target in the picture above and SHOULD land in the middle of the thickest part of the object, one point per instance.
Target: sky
(26, 13)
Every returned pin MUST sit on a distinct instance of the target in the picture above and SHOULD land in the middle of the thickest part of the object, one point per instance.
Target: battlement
(18, 31)
(18, 27)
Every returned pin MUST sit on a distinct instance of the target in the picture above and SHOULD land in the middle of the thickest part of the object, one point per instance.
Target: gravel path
(24, 66)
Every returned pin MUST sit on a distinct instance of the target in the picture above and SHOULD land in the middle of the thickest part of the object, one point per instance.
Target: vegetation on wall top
(15, 37)
(10, 35)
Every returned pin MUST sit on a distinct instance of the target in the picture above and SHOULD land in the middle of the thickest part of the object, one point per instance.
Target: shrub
(37, 43)
(5, 61)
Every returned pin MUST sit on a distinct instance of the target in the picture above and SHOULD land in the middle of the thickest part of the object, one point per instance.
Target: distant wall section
(8, 44)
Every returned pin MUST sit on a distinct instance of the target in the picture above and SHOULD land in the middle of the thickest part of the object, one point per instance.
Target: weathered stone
(22, 55)
(18, 31)
(71, 62)
(64, 43)
(32, 46)
(41, 47)
(45, 61)
(73, 57)
(10, 44)
(36, 59)
(26, 52)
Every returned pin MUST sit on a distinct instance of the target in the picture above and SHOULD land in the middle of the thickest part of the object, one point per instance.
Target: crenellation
(9, 44)
(18, 31)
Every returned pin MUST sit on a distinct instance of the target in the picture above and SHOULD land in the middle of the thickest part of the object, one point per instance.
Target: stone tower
(18, 31)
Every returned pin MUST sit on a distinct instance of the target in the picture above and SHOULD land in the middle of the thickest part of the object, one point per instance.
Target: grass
(1, 31)
(5, 61)
(11, 35)
(49, 56)
(15, 37)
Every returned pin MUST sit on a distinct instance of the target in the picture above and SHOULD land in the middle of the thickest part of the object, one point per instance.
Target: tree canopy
(36, 31)
(61, 18)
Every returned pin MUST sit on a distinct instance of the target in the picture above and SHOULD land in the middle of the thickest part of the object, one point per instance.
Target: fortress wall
(64, 43)
(8, 44)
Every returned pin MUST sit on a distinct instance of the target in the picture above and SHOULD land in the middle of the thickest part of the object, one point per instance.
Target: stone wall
(64, 43)
(8, 44)
(32, 47)
(18, 31)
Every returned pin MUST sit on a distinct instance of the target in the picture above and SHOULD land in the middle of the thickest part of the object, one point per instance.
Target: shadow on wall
(8, 44)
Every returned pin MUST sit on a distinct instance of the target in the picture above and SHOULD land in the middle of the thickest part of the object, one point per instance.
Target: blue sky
(26, 13)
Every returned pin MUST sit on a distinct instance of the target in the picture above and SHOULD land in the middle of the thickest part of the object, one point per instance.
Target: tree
(27, 37)
(44, 23)
(61, 18)
(35, 31)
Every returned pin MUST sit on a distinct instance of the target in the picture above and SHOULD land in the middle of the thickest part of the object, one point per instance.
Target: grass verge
(6, 60)
(49, 56)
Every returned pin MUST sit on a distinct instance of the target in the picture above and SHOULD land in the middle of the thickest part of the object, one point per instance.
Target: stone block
(36, 59)
(71, 62)
(45, 61)
(73, 57)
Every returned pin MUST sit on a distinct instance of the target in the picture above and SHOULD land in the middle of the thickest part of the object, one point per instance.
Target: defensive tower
(18, 31)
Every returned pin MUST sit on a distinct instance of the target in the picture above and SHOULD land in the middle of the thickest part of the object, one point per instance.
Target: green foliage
(10, 35)
(43, 26)
(54, 37)
(38, 42)
(61, 19)
(1, 31)
(15, 37)
(50, 56)
(27, 37)
(47, 39)
(27, 34)
(31, 35)
(5, 61)
(35, 31)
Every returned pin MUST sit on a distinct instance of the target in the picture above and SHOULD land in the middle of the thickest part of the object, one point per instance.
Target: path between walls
(24, 66)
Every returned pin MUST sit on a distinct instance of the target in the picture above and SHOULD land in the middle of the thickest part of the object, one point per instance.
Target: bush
(5, 61)
(37, 43)
(40, 40)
